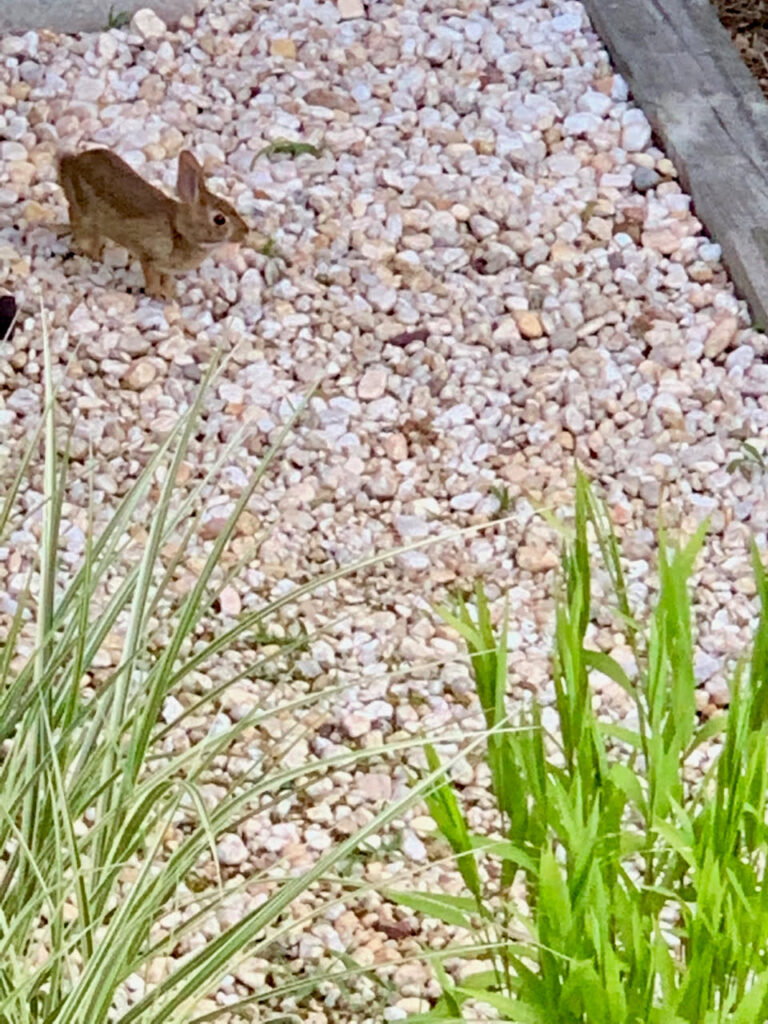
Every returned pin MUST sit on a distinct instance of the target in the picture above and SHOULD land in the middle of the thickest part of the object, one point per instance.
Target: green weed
(644, 895)
(289, 148)
(117, 19)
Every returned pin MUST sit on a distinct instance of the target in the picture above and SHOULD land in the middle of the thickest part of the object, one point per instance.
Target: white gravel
(479, 291)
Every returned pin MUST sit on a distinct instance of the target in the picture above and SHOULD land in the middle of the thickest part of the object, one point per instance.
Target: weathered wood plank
(710, 115)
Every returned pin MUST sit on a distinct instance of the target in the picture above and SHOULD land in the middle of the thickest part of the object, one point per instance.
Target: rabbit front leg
(90, 245)
(156, 283)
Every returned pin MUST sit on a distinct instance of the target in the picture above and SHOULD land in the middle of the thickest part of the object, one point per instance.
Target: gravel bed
(492, 273)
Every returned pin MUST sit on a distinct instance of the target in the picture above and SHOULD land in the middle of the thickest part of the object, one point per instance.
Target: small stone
(636, 132)
(718, 692)
(413, 848)
(13, 151)
(416, 561)
(230, 602)
(283, 47)
(172, 709)
(231, 850)
(373, 384)
(23, 400)
(107, 47)
(666, 167)
(333, 99)
(721, 336)
(141, 374)
(355, 725)
(396, 447)
(663, 240)
(710, 252)
(705, 666)
(700, 272)
(350, 9)
(537, 558)
(582, 123)
(570, 22)
(528, 323)
(383, 298)
(645, 178)
(482, 227)
(148, 25)
(465, 502)
(595, 102)
(411, 527)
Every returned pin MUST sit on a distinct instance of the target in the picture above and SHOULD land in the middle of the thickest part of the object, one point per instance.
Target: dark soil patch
(747, 21)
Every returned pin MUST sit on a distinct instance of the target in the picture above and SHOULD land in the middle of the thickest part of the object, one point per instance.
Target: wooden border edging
(703, 103)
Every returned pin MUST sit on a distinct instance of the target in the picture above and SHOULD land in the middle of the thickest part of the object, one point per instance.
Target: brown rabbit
(108, 199)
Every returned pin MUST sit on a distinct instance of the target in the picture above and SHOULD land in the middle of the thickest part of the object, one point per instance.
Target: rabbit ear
(189, 183)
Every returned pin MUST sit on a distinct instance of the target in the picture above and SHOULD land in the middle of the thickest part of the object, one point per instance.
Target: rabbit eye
(220, 220)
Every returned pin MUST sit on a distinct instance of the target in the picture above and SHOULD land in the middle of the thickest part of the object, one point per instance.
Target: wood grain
(710, 115)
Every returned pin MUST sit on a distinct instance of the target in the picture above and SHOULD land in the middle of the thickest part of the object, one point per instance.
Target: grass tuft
(622, 886)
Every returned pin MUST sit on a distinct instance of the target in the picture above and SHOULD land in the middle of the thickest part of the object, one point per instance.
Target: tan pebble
(718, 693)
(152, 89)
(283, 47)
(212, 527)
(600, 228)
(165, 422)
(720, 336)
(701, 698)
(141, 374)
(351, 9)
(663, 240)
(562, 252)
(21, 172)
(461, 212)
(604, 85)
(158, 969)
(208, 43)
(535, 558)
(396, 447)
(333, 99)
(372, 384)
(700, 298)
(666, 167)
(700, 272)
(603, 162)
(642, 160)
(633, 214)
(147, 24)
(35, 213)
(621, 514)
(528, 323)
(671, 188)
(565, 440)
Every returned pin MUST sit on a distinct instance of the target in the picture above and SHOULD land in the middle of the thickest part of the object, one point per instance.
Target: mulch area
(747, 21)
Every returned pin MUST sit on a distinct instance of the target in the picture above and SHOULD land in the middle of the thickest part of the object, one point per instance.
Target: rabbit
(107, 199)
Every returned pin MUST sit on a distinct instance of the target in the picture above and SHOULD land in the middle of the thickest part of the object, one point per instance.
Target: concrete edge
(70, 17)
